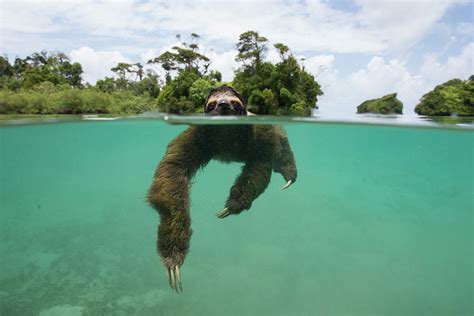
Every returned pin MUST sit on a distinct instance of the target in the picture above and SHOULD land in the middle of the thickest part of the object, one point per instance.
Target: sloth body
(262, 149)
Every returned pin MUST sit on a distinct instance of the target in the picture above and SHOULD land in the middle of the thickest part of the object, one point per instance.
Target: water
(379, 222)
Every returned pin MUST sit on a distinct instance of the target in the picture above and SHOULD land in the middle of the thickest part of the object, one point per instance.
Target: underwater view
(378, 222)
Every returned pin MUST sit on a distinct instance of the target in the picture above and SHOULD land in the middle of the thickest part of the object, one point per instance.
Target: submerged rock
(454, 97)
(388, 104)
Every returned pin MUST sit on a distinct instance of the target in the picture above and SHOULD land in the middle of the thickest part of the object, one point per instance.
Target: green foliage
(131, 78)
(388, 104)
(54, 67)
(247, 80)
(299, 108)
(5, 68)
(46, 98)
(251, 49)
(47, 82)
(186, 93)
(281, 89)
(454, 97)
(270, 101)
(282, 50)
(149, 85)
(184, 57)
(199, 90)
(107, 84)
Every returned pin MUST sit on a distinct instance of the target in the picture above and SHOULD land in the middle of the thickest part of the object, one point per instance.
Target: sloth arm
(251, 182)
(284, 162)
(169, 194)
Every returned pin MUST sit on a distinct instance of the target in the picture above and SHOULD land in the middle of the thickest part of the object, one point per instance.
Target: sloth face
(224, 100)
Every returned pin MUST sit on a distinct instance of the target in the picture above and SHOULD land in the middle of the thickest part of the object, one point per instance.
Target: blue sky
(358, 49)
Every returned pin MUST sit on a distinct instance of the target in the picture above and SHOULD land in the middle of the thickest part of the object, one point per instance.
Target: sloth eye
(237, 105)
(211, 106)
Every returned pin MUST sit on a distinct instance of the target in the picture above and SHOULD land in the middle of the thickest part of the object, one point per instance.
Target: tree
(150, 84)
(282, 50)
(183, 58)
(72, 73)
(137, 69)
(189, 59)
(251, 49)
(388, 104)
(5, 68)
(168, 63)
(184, 93)
(107, 84)
(454, 97)
(122, 69)
(54, 67)
(199, 91)
(283, 88)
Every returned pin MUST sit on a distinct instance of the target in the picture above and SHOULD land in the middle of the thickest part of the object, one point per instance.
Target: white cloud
(378, 26)
(28, 17)
(224, 62)
(96, 64)
(344, 93)
(401, 23)
(456, 66)
(319, 64)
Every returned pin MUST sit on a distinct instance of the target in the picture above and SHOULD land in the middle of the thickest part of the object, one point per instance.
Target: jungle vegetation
(454, 97)
(388, 104)
(49, 83)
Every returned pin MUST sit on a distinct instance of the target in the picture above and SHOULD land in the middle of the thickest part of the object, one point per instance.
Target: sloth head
(224, 100)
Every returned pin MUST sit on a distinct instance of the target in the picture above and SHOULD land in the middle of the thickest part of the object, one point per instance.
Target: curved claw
(178, 279)
(224, 213)
(174, 279)
(287, 185)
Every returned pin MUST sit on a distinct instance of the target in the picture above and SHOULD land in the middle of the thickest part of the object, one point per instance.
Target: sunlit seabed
(379, 221)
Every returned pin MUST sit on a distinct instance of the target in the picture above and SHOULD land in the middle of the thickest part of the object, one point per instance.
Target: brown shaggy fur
(262, 148)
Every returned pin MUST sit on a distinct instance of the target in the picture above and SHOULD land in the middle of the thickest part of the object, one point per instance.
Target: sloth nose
(223, 105)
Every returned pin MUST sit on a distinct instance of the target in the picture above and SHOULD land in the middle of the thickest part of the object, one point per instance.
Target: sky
(357, 49)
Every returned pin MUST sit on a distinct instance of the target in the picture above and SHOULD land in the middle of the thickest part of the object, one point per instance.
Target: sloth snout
(223, 105)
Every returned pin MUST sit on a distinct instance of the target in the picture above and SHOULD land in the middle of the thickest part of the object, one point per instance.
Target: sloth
(261, 148)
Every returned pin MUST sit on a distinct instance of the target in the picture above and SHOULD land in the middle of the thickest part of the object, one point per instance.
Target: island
(454, 97)
(388, 104)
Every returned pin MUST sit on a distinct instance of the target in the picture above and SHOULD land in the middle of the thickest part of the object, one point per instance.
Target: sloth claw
(174, 279)
(224, 213)
(287, 185)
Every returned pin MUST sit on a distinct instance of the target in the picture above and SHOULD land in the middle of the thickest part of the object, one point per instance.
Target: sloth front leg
(252, 181)
(285, 160)
(169, 195)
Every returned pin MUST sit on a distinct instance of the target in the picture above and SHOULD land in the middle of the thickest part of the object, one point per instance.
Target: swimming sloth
(262, 148)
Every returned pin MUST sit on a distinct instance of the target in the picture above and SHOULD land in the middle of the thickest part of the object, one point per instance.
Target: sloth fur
(262, 148)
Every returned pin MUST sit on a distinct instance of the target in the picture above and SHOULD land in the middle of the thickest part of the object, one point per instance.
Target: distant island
(388, 104)
(454, 97)
(49, 83)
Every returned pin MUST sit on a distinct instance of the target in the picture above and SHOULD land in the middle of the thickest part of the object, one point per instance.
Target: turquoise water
(379, 222)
